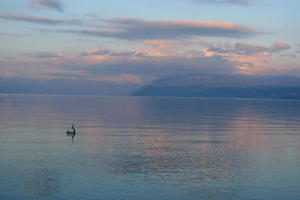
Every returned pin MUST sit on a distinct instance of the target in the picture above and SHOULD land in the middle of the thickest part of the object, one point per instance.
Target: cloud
(283, 69)
(102, 52)
(220, 50)
(245, 58)
(139, 29)
(150, 68)
(123, 78)
(168, 57)
(92, 15)
(52, 4)
(279, 46)
(205, 42)
(95, 52)
(245, 48)
(149, 63)
(234, 2)
(15, 34)
(156, 48)
(44, 55)
(38, 19)
(298, 48)
(248, 49)
(157, 58)
(288, 55)
(164, 47)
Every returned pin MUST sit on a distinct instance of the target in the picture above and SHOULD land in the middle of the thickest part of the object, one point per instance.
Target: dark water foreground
(148, 148)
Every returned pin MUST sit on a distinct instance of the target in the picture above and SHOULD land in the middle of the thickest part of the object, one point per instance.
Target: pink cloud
(95, 52)
(92, 15)
(233, 2)
(157, 58)
(123, 78)
(162, 47)
(205, 42)
(246, 48)
(245, 58)
(44, 55)
(53, 4)
(140, 29)
(298, 48)
(243, 63)
(282, 69)
(39, 19)
(279, 46)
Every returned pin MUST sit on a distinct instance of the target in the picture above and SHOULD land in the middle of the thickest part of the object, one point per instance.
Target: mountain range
(224, 86)
(65, 86)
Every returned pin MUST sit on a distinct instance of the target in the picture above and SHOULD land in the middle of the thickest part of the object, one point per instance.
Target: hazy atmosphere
(134, 42)
(149, 100)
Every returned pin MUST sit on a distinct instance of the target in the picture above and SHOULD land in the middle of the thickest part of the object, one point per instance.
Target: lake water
(148, 148)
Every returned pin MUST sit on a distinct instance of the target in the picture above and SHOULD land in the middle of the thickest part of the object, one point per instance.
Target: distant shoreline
(152, 97)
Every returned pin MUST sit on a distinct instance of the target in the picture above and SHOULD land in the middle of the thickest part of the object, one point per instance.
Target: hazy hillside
(222, 80)
(229, 86)
(40, 86)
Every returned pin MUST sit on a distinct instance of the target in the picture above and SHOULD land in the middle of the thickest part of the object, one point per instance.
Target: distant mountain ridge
(222, 85)
(222, 80)
(61, 86)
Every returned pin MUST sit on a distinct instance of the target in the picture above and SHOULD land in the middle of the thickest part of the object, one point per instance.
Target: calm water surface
(148, 148)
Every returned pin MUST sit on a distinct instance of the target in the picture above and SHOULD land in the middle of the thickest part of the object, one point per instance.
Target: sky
(138, 41)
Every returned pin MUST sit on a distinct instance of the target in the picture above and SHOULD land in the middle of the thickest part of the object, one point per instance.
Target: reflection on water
(41, 182)
(148, 148)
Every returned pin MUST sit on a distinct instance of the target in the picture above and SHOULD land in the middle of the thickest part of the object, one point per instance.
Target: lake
(148, 148)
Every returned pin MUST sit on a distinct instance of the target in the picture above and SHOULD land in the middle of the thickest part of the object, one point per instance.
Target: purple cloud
(95, 52)
(38, 19)
(138, 29)
(101, 52)
(288, 55)
(53, 4)
(234, 2)
(15, 34)
(298, 48)
(92, 15)
(279, 46)
(245, 48)
(44, 55)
